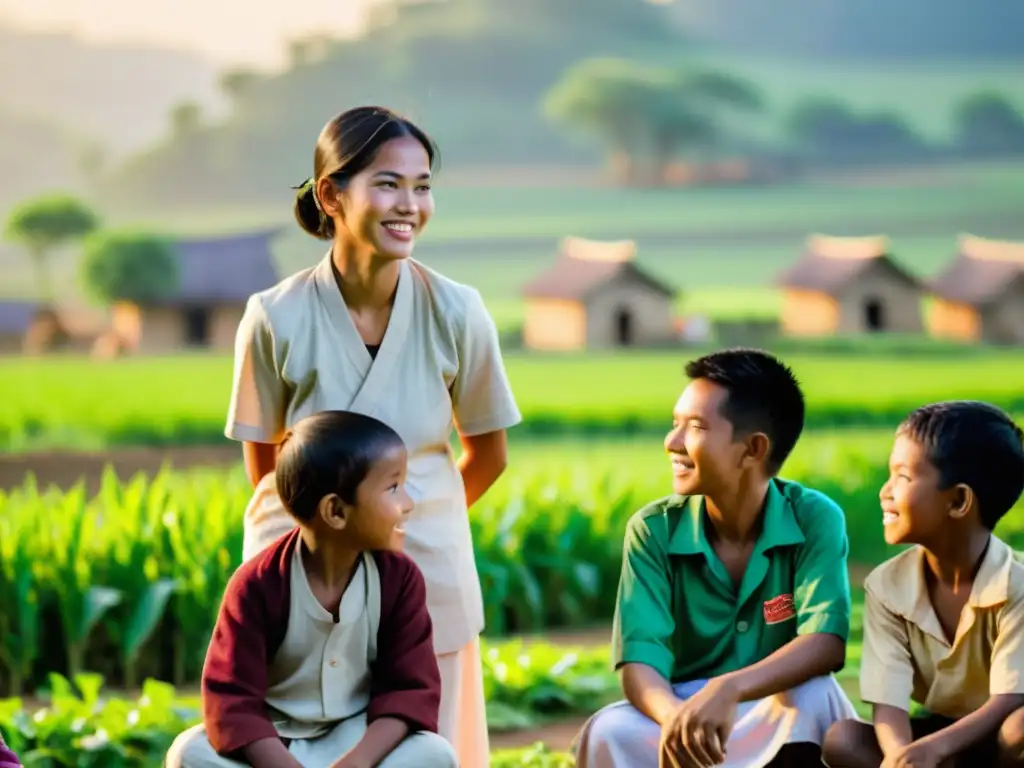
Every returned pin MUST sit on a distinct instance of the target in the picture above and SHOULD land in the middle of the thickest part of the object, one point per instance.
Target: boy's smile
(915, 509)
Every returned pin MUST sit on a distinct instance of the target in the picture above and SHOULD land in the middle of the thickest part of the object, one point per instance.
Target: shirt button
(742, 626)
(334, 662)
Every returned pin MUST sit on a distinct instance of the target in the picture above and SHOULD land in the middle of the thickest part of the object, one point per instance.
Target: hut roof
(16, 317)
(830, 263)
(982, 270)
(585, 265)
(225, 269)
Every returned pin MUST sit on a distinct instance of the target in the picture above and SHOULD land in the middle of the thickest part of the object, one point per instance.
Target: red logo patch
(779, 609)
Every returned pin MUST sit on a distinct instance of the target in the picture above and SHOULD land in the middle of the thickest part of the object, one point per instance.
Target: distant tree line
(650, 118)
(116, 265)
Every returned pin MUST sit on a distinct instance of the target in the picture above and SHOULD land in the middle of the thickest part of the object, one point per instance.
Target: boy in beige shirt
(944, 620)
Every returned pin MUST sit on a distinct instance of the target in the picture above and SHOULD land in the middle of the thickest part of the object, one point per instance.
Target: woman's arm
(484, 458)
(260, 460)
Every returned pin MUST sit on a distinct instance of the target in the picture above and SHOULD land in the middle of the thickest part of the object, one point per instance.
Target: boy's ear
(961, 501)
(333, 511)
(758, 447)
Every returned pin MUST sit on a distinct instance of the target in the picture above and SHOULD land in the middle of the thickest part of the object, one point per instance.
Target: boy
(322, 653)
(944, 620)
(734, 603)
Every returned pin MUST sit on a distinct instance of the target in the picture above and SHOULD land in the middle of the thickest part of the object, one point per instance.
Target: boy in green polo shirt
(734, 601)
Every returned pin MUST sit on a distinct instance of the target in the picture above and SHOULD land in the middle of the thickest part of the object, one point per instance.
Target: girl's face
(381, 504)
(385, 207)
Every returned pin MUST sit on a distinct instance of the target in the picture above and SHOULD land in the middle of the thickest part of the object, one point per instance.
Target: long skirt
(619, 736)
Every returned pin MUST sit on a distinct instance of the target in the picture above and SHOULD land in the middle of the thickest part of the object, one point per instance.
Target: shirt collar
(779, 529)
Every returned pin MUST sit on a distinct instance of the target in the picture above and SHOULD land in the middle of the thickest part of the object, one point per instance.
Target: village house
(980, 295)
(17, 319)
(849, 285)
(216, 277)
(595, 296)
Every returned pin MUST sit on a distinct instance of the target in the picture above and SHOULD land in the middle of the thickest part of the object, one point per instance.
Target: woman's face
(385, 207)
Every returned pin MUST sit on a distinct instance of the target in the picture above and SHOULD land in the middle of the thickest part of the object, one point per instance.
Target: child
(734, 600)
(7, 758)
(944, 620)
(322, 653)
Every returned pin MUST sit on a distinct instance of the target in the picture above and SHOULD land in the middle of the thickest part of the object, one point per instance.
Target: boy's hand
(700, 728)
(925, 753)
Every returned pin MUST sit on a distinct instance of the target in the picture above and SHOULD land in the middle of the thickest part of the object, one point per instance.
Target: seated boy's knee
(1011, 736)
(192, 749)
(617, 727)
(845, 741)
(433, 751)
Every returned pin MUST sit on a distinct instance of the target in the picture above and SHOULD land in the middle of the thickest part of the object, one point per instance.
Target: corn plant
(129, 582)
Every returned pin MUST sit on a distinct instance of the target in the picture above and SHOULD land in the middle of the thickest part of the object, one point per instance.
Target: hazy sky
(231, 31)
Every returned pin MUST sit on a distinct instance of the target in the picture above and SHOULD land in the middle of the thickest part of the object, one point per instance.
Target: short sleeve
(886, 668)
(1007, 672)
(256, 412)
(822, 582)
(644, 626)
(481, 393)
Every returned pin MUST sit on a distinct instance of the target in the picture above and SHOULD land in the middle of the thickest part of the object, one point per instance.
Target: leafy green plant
(80, 726)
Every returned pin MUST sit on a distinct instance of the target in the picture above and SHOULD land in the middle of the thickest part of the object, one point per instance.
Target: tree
(237, 83)
(690, 110)
(610, 99)
(830, 131)
(129, 266)
(186, 118)
(638, 111)
(45, 223)
(988, 124)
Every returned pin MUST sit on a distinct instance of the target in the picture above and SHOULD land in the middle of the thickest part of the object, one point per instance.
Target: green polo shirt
(679, 612)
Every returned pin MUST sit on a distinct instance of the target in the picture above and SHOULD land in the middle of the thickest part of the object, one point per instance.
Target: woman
(371, 330)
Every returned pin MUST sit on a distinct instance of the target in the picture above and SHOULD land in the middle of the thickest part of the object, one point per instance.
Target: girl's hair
(329, 452)
(347, 145)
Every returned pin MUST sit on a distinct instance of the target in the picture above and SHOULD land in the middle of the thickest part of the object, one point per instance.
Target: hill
(866, 29)
(473, 71)
(119, 95)
(37, 155)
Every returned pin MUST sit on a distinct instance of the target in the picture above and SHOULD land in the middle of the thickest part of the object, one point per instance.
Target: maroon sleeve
(234, 685)
(405, 679)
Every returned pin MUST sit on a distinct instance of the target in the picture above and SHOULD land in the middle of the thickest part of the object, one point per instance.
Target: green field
(80, 403)
(722, 248)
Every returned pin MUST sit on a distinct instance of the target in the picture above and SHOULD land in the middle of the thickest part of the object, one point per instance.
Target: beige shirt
(321, 673)
(298, 352)
(906, 655)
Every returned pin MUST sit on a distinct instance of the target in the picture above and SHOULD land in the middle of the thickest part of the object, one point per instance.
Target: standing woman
(371, 330)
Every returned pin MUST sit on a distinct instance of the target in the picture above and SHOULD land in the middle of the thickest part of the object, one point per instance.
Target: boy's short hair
(764, 396)
(329, 452)
(976, 444)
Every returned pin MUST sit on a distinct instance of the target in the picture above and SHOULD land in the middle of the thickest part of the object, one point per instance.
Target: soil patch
(65, 468)
(557, 736)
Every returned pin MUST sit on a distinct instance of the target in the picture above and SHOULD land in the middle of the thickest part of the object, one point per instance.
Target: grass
(81, 403)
